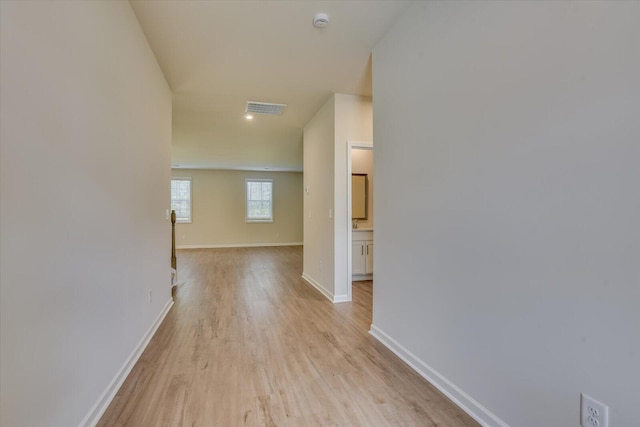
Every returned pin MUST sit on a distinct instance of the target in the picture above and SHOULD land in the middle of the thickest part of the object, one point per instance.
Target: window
(181, 198)
(259, 200)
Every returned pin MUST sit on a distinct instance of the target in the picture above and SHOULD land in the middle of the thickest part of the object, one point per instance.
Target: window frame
(190, 219)
(246, 201)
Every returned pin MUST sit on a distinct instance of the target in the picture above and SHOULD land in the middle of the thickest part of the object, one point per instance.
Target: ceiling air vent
(264, 108)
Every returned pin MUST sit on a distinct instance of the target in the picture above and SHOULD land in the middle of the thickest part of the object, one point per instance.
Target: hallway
(248, 342)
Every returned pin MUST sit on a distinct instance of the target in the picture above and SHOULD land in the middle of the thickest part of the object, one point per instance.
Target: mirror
(359, 196)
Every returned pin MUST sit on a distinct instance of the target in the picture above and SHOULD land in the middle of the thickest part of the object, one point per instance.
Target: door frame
(358, 145)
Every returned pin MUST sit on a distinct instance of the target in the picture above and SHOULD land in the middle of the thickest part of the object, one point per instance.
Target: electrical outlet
(150, 296)
(593, 413)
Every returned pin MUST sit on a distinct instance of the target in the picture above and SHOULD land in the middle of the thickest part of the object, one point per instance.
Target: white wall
(507, 203)
(353, 122)
(219, 208)
(318, 153)
(85, 169)
(343, 118)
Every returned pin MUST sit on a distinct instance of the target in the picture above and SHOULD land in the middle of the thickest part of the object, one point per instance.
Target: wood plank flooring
(249, 343)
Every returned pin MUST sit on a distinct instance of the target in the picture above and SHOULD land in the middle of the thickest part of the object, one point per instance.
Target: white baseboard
(341, 298)
(478, 412)
(92, 418)
(238, 245)
(329, 295)
(318, 286)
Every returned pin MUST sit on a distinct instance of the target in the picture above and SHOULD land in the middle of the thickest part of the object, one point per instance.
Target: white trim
(350, 146)
(341, 298)
(190, 179)
(246, 201)
(318, 286)
(329, 295)
(98, 409)
(469, 405)
(238, 245)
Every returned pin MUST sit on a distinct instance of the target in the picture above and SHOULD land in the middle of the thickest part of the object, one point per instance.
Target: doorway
(367, 147)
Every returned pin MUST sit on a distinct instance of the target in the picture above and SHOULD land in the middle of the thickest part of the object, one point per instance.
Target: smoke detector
(321, 20)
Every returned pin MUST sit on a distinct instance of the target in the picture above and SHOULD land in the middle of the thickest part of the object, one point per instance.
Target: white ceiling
(216, 55)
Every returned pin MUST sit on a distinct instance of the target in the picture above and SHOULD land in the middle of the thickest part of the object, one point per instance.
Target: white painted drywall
(219, 208)
(353, 122)
(342, 118)
(318, 154)
(508, 202)
(85, 170)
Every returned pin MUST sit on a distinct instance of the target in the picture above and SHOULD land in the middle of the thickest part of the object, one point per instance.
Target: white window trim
(186, 178)
(246, 201)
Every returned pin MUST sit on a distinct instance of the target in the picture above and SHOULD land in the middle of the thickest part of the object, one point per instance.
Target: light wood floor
(248, 342)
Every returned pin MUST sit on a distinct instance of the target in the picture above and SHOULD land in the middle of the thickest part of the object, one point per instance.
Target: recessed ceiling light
(248, 116)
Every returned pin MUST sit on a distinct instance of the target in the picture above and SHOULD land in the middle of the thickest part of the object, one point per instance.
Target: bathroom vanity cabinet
(362, 254)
